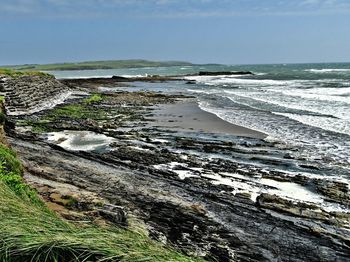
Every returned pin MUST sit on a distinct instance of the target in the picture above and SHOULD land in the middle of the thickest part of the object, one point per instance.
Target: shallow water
(81, 140)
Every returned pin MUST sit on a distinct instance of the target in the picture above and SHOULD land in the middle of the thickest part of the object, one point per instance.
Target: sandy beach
(186, 115)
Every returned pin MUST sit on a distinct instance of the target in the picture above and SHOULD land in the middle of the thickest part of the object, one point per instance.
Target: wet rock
(114, 214)
(275, 202)
(335, 191)
(119, 78)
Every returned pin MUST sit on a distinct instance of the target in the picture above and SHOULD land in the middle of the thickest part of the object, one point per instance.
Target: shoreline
(186, 115)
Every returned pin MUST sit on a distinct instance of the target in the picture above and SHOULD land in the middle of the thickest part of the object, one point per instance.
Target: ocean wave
(207, 92)
(325, 123)
(205, 79)
(219, 80)
(329, 70)
(317, 96)
(281, 102)
(293, 130)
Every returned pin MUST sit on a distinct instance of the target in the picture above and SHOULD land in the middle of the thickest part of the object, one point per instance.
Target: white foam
(255, 187)
(184, 174)
(209, 79)
(329, 70)
(158, 140)
(318, 95)
(291, 191)
(317, 104)
(130, 76)
(208, 92)
(236, 79)
(326, 123)
(139, 148)
(80, 140)
(181, 173)
(109, 89)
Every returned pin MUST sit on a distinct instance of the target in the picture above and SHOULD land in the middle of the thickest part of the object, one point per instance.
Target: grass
(77, 111)
(111, 64)
(16, 73)
(93, 99)
(32, 233)
(29, 231)
(10, 174)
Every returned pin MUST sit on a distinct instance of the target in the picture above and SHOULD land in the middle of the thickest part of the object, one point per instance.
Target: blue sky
(200, 31)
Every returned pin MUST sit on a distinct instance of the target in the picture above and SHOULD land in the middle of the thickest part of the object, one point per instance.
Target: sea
(303, 107)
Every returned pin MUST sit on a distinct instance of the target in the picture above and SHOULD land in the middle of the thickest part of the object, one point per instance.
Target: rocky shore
(218, 196)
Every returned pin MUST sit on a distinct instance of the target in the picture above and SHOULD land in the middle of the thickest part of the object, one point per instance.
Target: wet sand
(186, 115)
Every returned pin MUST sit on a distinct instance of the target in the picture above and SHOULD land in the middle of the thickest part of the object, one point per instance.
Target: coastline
(166, 168)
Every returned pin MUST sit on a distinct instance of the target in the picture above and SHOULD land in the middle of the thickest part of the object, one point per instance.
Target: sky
(199, 31)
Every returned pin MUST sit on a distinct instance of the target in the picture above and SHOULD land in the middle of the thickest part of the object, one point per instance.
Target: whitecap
(326, 123)
(329, 70)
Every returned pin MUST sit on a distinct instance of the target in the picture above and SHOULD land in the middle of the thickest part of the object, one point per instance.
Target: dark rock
(114, 214)
(120, 78)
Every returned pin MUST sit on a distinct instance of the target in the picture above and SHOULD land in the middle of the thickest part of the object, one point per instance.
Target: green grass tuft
(30, 232)
(9, 161)
(93, 99)
(77, 111)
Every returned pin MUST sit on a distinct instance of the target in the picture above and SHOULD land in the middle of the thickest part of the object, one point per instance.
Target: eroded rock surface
(193, 214)
(30, 94)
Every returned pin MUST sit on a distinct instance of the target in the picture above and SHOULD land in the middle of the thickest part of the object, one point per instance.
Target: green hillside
(112, 64)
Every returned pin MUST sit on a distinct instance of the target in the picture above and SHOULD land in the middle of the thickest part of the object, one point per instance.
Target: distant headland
(92, 65)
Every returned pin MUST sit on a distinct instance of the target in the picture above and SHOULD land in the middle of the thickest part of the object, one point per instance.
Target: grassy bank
(16, 73)
(112, 64)
(29, 231)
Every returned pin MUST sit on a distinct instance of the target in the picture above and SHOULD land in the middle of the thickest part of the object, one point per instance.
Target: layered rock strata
(30, 94)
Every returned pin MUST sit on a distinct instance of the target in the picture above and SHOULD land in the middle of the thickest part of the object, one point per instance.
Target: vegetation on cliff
(17, 73)
(112, 64)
